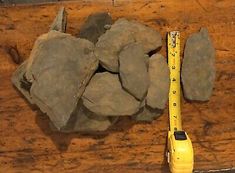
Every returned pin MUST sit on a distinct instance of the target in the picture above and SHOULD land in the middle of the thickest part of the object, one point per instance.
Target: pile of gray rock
(86, 83)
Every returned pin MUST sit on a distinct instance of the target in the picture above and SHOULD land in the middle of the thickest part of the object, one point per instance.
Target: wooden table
(28, 145)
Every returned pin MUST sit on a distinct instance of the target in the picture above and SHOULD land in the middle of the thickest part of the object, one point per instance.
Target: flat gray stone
(109, 45)
(198, 68)
(59, 68)
(94, 26)
(147, 36)
(20, 81)
(159, 82)
(147, 114)
(82, 120)
(60, 21)
(105, 97)
(133, 70)
(122, 33)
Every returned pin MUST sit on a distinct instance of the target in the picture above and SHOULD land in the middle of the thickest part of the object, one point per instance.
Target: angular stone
(110, 44)
(148, 37)
(133, 70)
(122, 33)
(159, 82)
(198, 68)
(20, 81)
(60, 21)
(59, 68)
(95, 26)
(105, 97)
(147, 114)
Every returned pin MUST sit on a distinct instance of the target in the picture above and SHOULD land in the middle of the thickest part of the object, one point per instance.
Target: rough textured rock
(148, 37)
(20, 81)
(82, 120)
(110, 44)
(147, 114)
(60, 21)
(159, 82)
(122, 33)
(95, 26)
(104, 96)
(198, 68)
(59, 68)
(133, 70)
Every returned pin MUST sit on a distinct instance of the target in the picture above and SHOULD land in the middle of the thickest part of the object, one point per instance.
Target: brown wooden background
(28, 145)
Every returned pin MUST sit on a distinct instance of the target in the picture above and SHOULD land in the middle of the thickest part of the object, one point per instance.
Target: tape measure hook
(173, 35)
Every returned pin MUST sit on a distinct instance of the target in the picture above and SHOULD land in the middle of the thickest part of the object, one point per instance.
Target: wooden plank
(28, 145)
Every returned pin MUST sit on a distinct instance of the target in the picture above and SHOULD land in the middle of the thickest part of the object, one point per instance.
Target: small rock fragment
(104, 96)
(133, 70)
(122, 33)
(198, 68)
(60, 21)
(94, 26)
(59, 68)
(147, 114)
(159, 82)
(14, 53)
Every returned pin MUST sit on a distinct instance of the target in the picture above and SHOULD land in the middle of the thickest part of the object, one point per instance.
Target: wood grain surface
(28, 145)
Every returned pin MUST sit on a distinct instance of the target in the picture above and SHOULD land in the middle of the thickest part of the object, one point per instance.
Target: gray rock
(133, 70)
(104, 96)
(59, 68)
(147, 114)
(109, 45)
(95, 26)
(148, 37)
(159, 82)
(20, 81)
(122, 33)
(60, 21)
(82, 120)
(198, 68)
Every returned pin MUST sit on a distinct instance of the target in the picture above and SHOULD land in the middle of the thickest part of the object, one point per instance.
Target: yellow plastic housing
(180, 154)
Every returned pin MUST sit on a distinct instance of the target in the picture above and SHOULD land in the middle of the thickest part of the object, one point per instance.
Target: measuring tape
(174, 94)
(180, 150)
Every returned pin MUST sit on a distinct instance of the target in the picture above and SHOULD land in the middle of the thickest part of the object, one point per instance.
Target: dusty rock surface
(159, 82)
(104, 96)
(59, 68)
(60, 21)
(95, 26)
(133, 70)
(147, 114)
(85, 121)
(198, 68)
(122, 33)
(84, 87)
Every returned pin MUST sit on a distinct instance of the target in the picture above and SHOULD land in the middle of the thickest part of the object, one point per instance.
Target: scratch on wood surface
(199, 3)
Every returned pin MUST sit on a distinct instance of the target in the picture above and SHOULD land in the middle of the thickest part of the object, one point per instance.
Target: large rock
(94, 26)
(60, 21)
(104, 96)
(133, 70)
(20, 81)
(198, 68)
(159, 82)
(59, 68)
(147, 114)
(122, 33)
